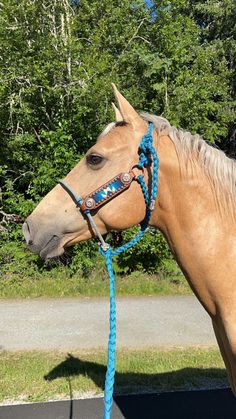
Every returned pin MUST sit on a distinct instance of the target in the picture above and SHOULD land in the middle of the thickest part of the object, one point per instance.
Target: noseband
(118, 184)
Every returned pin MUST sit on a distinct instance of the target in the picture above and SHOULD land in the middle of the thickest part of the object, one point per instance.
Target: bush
(148, 255)
(15, 260)
(85, 258)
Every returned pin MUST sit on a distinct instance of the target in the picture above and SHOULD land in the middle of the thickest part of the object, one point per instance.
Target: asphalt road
(83, 323)
(210, 404)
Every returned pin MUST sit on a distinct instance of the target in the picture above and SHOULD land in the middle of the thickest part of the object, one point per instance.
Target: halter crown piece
(147, 157)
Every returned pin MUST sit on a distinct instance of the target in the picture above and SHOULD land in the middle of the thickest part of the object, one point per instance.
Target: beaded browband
(104, 193)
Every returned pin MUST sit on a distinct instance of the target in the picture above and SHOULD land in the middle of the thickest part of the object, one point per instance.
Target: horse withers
(194, 210)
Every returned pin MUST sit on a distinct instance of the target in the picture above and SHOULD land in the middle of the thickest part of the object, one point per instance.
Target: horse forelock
(107, 129)
(110, 127)
(220, 169)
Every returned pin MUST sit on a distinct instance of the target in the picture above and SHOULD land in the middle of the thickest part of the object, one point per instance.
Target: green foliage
(13, 261)
(86, 259)
(57, 60)
(189, 76)
(148, 254)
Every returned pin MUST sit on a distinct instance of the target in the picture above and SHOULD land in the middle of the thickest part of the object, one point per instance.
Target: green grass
(61, 284)
(39, 376)
(23, 280)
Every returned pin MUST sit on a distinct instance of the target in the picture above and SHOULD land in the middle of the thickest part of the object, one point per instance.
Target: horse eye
(94, 159)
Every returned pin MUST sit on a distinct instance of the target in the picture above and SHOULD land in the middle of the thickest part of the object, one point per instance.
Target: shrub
(147, 255)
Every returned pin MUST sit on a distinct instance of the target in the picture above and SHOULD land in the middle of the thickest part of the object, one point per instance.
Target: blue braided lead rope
(111, 361)
(148, 156)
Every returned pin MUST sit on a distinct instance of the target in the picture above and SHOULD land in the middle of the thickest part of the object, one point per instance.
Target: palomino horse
(194, 210)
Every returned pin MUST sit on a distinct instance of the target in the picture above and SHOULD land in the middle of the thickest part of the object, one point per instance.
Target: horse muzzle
(47, 246)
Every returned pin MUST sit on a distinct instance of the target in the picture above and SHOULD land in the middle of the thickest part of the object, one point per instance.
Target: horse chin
(56, 249)
(52, 249)
(53, 253)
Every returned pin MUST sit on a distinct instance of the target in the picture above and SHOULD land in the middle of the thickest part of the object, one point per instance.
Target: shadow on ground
(207, 404)
(126, 382)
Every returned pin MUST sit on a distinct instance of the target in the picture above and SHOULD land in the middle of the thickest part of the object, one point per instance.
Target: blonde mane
(220, 169)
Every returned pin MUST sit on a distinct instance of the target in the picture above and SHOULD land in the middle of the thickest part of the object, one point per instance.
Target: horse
(194, 210)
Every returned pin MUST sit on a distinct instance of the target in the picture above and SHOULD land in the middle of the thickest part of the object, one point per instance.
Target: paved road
(210, 404)
(83, 323)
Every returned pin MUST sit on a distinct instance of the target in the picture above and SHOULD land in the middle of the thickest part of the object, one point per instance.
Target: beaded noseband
(104, 193)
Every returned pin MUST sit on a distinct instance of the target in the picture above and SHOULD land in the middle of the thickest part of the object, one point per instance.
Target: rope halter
(147, 157)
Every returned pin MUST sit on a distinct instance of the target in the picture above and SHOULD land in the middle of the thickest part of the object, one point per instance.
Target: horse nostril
(30, 242)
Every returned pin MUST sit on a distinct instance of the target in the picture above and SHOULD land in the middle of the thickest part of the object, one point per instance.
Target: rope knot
(105, 249)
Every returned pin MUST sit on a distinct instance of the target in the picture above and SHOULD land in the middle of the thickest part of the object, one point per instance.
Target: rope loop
(145, 148)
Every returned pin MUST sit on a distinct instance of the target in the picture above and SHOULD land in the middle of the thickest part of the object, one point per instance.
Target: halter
(115, 186)
(100, 196)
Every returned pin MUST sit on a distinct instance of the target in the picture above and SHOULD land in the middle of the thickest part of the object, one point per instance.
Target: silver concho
(90, 203)
(125, 178)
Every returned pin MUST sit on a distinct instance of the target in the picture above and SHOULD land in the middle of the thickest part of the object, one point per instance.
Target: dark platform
(208, 404)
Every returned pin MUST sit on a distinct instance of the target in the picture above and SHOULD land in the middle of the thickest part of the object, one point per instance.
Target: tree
(57, 63)
(58, 58)
(217, 20)
(189, 77)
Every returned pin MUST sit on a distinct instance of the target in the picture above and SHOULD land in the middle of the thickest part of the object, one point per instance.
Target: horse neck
(187, 215)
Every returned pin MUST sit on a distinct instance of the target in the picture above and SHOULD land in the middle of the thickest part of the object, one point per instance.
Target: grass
(58, 283)
(41, 376)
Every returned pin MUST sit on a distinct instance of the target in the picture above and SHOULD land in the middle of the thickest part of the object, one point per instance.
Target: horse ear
(119, 117)
(127, 111)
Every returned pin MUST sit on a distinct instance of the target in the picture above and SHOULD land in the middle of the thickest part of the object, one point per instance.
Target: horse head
(57, 222)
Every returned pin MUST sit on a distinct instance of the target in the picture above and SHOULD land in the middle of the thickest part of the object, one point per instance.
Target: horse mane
(192, 149)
